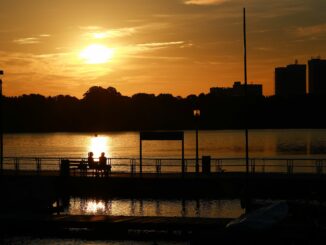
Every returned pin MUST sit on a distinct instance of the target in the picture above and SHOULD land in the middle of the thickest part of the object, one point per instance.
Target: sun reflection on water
(95, 207)
(160, 207)
(99, 144)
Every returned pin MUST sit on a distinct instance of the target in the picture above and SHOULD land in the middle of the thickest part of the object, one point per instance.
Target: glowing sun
(98, 145)
(97, 54)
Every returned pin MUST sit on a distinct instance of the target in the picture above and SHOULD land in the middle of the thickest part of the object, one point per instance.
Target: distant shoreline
(104, 110)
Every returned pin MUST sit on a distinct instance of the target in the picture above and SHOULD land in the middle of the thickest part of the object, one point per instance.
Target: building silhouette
(317, 76)
(238, 89)
(290, 80)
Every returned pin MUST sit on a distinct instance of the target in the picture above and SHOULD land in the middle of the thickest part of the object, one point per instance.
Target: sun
(98, 145)
(97, 54)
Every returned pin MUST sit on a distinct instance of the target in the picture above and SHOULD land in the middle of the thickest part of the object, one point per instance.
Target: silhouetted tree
(103, 109)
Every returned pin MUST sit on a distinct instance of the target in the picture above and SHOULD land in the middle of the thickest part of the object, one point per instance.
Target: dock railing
(38, 165)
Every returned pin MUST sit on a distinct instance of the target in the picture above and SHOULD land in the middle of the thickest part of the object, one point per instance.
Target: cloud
(30, 40)
(65, 64)
(90, 28)
(204, 2)
(307, 31)
(139, 49)
(160, 44)
(111, 33)
(27, 40)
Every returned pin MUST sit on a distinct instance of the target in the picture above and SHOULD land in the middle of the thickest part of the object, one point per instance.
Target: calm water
(225, 143)
(156, 207)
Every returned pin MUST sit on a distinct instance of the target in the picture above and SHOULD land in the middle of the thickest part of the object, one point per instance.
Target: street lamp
(197, 115)
(1, 129)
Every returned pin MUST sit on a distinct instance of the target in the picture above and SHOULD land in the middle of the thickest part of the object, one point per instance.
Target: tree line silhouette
(103, 109)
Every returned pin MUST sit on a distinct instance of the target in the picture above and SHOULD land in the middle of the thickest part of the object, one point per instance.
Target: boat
(263, 218)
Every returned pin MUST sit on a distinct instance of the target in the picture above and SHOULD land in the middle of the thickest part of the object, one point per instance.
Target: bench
(83, 167)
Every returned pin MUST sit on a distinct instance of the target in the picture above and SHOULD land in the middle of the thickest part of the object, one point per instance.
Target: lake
(217, 144)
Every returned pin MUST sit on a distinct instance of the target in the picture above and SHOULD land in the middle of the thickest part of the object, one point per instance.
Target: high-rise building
(317, 76)
(238, 89)
(290, 80)
(252, 89)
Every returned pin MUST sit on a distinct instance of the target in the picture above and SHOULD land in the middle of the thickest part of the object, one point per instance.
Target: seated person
(90, 160)
(103, 167)
(102, 161)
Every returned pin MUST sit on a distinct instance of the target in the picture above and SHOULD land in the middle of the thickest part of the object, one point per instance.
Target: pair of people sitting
(101, 165)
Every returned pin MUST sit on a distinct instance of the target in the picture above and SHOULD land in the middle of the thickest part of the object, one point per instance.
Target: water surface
(218, 143)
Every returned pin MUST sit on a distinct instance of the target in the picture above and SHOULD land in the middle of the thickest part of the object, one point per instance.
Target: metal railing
(172, 165)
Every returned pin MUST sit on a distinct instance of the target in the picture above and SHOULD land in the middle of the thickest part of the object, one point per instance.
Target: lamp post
(1, 129)
(197, 115)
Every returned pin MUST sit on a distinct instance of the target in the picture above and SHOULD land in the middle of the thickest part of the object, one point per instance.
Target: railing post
(132, 166)
(319, 166)
(219, 168)
(252, 165)
(140, 155)
(38, 165)
(183, 167)
(158, 166)
(109, 167)
(289, 165)
(16, 162)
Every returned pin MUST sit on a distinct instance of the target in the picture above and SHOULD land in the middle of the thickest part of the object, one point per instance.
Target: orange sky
(154, 46)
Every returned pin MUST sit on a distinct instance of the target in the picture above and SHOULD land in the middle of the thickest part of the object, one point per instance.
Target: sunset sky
(181, 47)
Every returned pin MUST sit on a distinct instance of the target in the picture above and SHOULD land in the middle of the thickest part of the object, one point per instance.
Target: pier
(40, 182)
(268, 178)
(206, 165)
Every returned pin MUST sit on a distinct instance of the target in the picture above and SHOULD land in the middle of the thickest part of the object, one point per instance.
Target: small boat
(261, 219)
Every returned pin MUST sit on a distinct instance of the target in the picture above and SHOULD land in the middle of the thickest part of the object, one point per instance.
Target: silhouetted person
(102, 163)
(91, 162)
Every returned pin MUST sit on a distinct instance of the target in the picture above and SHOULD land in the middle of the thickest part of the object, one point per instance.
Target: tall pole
(246, 89)
(247, 188)
(1, 129)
